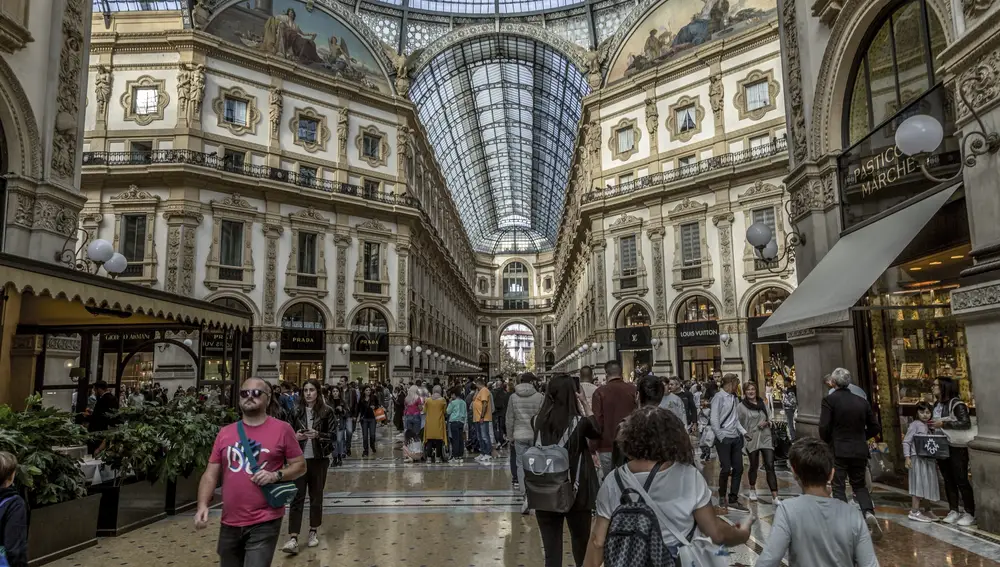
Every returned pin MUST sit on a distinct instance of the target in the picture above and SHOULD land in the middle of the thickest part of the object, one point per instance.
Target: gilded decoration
(623, 125)
(382, 146)
(253, 116)
(128, 100)
(740, 99)
(683, 104)
(322, 130)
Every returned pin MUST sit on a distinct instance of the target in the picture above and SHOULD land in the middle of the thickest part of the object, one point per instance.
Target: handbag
(932, 446)
(960, 437)
(698, 551)
(380, 414)
(278, 494)
(879, 465)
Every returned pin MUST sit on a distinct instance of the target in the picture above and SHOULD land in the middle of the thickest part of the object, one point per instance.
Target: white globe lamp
(770, 252)
(919, 134)
(116, 264)
(100, 250)
(758, 235)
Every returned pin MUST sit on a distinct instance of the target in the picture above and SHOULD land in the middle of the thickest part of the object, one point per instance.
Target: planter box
(182, 494)
(124, 508)
(58, 530)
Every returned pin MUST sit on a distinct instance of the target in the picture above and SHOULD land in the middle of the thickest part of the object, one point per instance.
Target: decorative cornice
(133, 193)
(976, 298)
(235, 201)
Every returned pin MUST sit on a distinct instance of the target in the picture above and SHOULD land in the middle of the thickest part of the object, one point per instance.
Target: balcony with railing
(219, 163)
(777, 146)
(515, 304)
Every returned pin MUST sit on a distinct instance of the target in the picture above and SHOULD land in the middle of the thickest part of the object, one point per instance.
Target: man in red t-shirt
(250, 527)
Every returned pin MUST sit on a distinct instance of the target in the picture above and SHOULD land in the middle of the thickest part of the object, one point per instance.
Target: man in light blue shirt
(854, 388)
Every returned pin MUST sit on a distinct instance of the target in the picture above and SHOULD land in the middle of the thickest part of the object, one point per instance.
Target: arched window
(896, 64)
(232, 303)
(303, 316)
(697, 308)
(550, 361)
(764, 303)
(370, 320)
(515, 286)
(634, 315)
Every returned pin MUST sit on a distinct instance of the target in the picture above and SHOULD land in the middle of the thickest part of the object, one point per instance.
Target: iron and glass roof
(501, 112)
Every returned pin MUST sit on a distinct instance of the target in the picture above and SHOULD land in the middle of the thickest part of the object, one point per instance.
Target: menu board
(911, 371)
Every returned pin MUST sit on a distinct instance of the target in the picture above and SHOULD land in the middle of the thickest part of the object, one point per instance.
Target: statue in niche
(102, 88)
(715, 95)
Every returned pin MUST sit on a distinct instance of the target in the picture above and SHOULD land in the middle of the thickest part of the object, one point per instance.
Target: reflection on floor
(381, 512)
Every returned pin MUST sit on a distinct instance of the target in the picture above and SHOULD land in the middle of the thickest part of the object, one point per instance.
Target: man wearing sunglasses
(250, 527)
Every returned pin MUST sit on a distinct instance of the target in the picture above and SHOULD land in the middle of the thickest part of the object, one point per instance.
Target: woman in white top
(652, 436)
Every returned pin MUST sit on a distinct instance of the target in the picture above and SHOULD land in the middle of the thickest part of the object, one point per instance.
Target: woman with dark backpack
(661, 464)
(559, 422)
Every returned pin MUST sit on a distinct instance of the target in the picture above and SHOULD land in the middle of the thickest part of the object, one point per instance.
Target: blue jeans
(340, 450)
(368, 433)
(349, 435)
(455, 429)
(411, 423)
(485, 445)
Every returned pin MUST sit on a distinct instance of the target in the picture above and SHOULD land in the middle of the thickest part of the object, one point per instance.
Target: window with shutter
(756, 95)
(626, 139)
(691, 244)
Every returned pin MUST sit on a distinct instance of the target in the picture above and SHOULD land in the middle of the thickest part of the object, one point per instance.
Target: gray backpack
(548, 485)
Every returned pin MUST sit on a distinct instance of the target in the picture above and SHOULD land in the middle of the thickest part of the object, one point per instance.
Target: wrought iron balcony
(514, 304)
(219, 163)
(775, 147)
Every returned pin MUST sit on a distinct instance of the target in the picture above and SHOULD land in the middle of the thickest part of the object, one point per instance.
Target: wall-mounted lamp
(344, 348)
(272, 346)
(70, 364)
(655, 342)
(596, 347)
(406, 349)
(921, 134)
(418, 350)
(766, 247)
(188, 343)
(725, 339)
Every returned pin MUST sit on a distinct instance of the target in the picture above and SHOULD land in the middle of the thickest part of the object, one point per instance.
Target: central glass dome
(484, 7)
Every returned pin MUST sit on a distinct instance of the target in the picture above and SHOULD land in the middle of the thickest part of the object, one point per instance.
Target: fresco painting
(678, 25)
(311, 38)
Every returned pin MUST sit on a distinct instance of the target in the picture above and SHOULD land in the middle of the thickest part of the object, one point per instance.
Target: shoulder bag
(278, 494)
(932, 446)
(696, 551)
(960, 437)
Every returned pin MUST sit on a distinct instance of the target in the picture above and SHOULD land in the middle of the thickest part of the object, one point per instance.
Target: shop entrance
(303, 344)
(633, 341)
(772, 364)
(698, 350)
(369, 346)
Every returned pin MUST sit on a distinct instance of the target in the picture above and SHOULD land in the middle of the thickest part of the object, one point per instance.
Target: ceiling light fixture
(917, 269)
(958, 257)
(935, 263)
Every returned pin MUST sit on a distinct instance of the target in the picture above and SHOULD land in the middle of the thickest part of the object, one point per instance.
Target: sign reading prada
(370, 342)
(302, 339)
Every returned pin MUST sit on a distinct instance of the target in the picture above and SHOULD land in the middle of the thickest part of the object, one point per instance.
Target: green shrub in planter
(164, 442)
(47, 476)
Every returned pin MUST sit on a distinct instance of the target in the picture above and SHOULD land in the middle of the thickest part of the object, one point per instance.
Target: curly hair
(654, 434)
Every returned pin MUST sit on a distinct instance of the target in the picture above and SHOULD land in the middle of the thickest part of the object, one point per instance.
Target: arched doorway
(517, 349)
(369, 346)
(771, 360)
(550, 361)
(515, 286)
(699, 353)
(303, 344)
(216, 353)
(633, 340)
(484, 364)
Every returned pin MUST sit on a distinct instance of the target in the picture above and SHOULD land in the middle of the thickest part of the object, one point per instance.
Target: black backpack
(634, 538)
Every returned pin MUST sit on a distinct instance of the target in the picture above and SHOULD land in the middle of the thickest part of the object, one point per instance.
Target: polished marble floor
(382, 512)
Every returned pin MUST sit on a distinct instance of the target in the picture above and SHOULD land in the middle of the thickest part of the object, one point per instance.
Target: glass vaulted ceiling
(501, 112)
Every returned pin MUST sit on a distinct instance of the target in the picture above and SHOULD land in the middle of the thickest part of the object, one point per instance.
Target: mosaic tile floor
(381, 512)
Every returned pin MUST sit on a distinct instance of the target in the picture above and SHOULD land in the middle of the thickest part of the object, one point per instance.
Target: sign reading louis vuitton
(633, 338)
(698, 333)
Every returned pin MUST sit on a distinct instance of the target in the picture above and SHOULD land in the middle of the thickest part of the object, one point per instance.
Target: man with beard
(250, 526)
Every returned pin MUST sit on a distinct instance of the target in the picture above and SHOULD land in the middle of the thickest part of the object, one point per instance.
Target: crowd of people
(579, 451)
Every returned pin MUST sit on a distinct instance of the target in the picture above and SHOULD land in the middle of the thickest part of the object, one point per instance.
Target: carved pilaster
(793, 84)
(724, 223)
(343, 242)
(66, 131)
(182, 225)
(602, 299)
(402, 290)
(659, 285)
(271, 233)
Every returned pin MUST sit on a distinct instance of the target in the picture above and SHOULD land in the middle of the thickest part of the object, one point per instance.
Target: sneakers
(313, 540)
(753, 495)
(930, 515)
(966, 520)
(873, 526)
(292, 547)
(515, 486)
(524, 507)
(918, 516)
(738, 506)
(776, 500)
(487, 459)
(952, 517)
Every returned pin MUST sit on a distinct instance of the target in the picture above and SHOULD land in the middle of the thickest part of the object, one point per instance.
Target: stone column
(272, 232)
(343, 241)
(182, 226)
(732, 361)
(338, 362)
(817, 353)
(266, 359)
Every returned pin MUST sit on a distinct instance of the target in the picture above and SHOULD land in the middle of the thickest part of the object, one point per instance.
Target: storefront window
(303, 344)
(698, 348)
(633, 338)
(772, 362)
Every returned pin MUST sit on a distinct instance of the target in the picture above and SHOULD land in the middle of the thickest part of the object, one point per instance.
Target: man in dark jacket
(100, 418)
(613, 402)
(846, 423)
(500, 397)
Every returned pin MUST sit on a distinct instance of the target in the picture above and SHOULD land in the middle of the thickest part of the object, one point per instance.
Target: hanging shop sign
(876, 176)
(698, 333)
(302, 339)
(633, 338)
(370, 342)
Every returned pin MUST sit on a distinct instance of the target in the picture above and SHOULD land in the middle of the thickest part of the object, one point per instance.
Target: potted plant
(190, 435)
(53, 482)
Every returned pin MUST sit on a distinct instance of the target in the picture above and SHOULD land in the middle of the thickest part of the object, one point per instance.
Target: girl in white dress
(923, 470)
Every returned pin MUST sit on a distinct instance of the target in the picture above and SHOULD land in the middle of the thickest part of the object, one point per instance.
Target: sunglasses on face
(254, 393)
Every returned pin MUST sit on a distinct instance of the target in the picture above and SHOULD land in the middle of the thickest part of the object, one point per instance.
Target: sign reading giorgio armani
(876, 176)
(698, 333)
(302, 339)
(131, 340)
